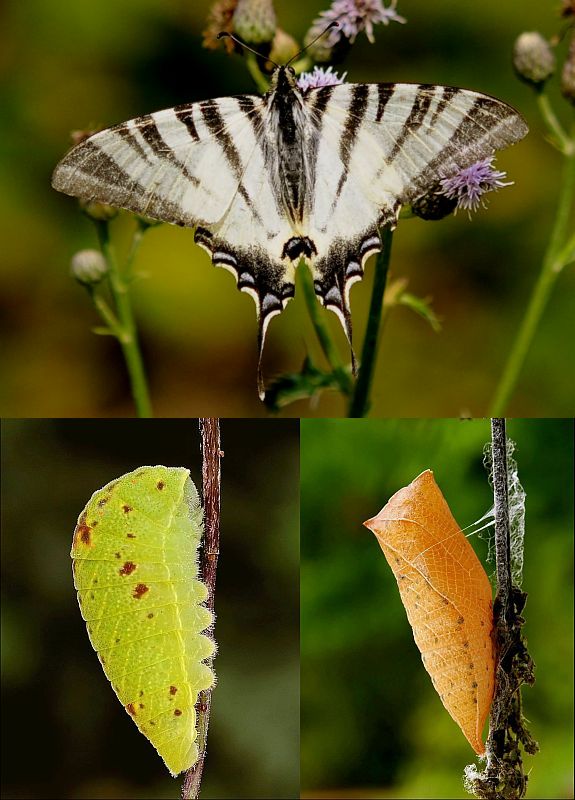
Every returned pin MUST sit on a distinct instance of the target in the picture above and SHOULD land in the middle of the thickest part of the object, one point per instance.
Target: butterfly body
(293, 174)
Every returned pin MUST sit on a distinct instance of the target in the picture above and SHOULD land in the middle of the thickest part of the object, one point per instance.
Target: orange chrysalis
(447, 597)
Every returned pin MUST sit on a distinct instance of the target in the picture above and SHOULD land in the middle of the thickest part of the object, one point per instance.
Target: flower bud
(98, 211)
(284, 47)
(255, 21)
(533, 59)
(568, 74)
(88, 267)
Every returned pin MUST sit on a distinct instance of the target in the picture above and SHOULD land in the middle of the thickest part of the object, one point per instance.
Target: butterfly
(268, 180)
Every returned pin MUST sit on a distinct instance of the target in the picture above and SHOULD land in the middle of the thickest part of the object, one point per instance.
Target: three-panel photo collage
(323, 550)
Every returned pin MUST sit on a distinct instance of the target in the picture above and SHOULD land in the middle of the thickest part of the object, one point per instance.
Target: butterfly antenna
(227, 35)
(313, 41)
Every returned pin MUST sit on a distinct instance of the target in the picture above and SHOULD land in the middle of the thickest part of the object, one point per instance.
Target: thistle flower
(533, 59)
(353, 17)
(88, 267)
(319, 77)
(469, 185)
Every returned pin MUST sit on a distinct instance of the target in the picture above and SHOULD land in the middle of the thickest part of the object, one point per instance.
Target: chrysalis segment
(135, 570)
(447, 597)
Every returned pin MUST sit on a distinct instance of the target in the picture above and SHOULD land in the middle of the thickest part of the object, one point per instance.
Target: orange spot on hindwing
(447, 597)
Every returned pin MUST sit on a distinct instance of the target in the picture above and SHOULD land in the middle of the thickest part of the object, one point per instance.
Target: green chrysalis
(135, 569)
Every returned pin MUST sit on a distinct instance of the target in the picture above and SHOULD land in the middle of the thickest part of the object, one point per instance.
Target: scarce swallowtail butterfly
(293, 174)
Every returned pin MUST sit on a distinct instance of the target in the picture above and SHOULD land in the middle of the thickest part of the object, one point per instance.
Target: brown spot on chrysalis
(173, 689)
(445, 601)
(131, 535)
(102, 502)
(117, 640)
(117, 555)
(141, 694)
(160, 485)
(474, 699)
(141, 705)
(130, 709)
(127, 509)
(471, 665)
(128, 568)
(177, 712)
(466, 645)
(152, 722)
(460, 620)
(150, 615)
(83, 532)
(140, 590)
(474, 684)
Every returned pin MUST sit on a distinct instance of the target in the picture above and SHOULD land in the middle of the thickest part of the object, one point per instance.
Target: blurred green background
(64, 733)
(68, 66)
(371, 722)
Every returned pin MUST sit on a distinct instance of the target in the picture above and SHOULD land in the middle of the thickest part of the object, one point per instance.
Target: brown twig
(208, 559)
(503, 777)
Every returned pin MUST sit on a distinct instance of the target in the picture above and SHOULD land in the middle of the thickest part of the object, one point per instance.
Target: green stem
(256, 73)
(560, 139)
(126, 334)
(556, 257)
(360, 400)
(106, 313)
(322, 333)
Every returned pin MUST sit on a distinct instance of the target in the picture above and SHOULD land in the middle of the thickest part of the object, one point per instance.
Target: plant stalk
(208, 562)
(361, 401)
(126, 334)
(322, 333)
(556, 257)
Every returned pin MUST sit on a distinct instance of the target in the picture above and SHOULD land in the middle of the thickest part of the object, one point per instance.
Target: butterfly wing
(199, 165)
(162, 164)
(380, 146)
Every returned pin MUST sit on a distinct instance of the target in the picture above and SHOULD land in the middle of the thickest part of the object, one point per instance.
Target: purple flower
(319, 77)
(354, 16)
(470, 184)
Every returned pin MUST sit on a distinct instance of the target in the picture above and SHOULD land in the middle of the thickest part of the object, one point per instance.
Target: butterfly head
(283, 80)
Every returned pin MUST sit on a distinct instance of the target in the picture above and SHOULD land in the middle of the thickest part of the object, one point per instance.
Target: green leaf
(421, 306)
(300, 386)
